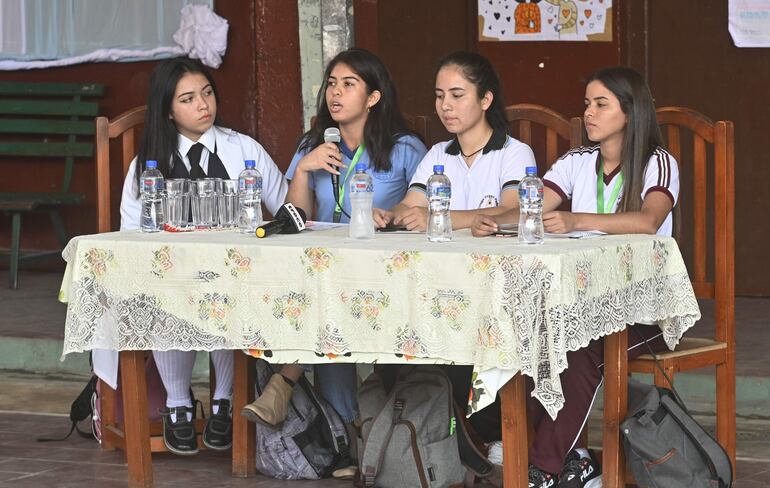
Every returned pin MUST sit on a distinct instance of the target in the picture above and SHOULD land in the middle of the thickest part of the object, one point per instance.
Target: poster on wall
(545, 20)
(749, 22)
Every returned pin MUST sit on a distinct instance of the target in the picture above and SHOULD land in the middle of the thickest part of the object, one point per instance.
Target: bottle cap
(151, 163)
(531, 170)
(438, 168)
(250, 163)
(360, 167)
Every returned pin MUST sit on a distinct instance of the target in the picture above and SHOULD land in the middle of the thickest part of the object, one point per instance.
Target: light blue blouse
(389, 187)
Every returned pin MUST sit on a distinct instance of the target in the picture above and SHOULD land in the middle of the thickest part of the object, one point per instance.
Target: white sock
(223, 370)
(583, 452)
(175, 368)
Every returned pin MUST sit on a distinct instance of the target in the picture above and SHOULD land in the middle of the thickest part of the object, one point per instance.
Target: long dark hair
(478, 70)
(384, 124)
(160, 139)
(641, 136)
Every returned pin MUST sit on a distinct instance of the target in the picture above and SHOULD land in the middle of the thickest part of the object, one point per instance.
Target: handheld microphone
(288, 220)
(332, 134)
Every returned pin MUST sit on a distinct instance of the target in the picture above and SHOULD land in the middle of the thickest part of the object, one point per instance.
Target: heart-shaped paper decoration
(565, 12)
(582, 22)
(588, 13)
(550, 21)
(497, 16)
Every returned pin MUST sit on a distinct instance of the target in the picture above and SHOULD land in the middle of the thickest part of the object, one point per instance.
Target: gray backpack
(666, 447)
(412, 436)
(310, 443)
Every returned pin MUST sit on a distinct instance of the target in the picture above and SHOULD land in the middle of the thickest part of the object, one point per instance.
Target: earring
(368, 109)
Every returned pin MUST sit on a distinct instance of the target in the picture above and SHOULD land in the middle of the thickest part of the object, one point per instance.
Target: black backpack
(79, 411)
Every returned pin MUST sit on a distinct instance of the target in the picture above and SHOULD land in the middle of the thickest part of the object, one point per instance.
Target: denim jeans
(339, 386)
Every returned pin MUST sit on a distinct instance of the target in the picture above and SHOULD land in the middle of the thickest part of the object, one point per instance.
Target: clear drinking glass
(203, 197)
(228, 204)
(178, 202)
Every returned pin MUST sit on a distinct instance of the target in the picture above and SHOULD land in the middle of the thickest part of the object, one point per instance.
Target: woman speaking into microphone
(357, 98)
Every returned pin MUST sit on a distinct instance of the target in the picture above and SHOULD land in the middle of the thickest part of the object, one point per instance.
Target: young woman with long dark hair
(182, 134)
(626, 183)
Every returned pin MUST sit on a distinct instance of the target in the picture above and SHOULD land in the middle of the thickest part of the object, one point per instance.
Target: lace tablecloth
(320, 296)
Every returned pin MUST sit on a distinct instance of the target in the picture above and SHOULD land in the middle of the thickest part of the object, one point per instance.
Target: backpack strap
(476, 463)
(711, 451)
(377, 441)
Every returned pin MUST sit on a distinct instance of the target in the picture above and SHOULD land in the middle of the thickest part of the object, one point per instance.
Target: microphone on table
(288, 220)
(332, 134)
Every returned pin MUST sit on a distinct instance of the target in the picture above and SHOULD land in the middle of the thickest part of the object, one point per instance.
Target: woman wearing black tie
(181, 134)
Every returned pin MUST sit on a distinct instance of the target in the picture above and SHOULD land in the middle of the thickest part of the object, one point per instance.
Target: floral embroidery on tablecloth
(161, 261)
(401, 260)
(659, 255)
(291, 306)
(409, 343)
(367, 305)
(214, 307)
(449, 304)
(208, 276)
(238, 264)
(480, 262)
(316, 260)
(96, 262)
(489, 333)
(583, 277)
(626, 258)
(331, 342)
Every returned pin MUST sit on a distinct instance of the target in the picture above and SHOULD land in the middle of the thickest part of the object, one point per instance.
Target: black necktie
(194, 155)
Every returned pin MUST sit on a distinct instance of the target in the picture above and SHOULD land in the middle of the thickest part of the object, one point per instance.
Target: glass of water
(203, 197)
(178, 202)
(228, 204)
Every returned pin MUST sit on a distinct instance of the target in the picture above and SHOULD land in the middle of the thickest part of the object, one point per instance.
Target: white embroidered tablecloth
(320, 296)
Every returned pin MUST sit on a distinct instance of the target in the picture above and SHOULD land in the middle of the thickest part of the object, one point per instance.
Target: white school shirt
(499, 168)
(233, 148)
(574, 175)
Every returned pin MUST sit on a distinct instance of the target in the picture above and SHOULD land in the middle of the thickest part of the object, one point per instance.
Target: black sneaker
(179, 437)
(580, 472)
(218, 434)
(540, 479)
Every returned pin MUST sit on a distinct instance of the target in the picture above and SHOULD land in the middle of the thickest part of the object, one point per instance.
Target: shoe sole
(215, 447)
(179, 452)
(252, 416)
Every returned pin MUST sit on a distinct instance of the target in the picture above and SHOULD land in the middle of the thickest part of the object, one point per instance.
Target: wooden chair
(560, 133)
(709, 245)
(126, 127)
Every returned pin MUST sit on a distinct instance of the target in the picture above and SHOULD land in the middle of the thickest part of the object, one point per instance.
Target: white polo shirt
(499, 167)
(574, 175)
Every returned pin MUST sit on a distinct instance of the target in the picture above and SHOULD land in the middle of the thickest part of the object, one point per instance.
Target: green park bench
(41, 123)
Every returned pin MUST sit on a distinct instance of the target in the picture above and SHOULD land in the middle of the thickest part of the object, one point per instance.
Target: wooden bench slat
(38, 126)
(55, 89)
(48, 107)
(77, 149)
(31, 200)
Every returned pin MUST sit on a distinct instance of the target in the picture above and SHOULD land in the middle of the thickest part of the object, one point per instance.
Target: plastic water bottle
(361, 196)
(249, 198)
(439, 196)
(151, 189)
(531, 208)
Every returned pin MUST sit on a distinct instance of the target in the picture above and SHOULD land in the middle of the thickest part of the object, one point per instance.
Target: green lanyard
(343, 183)
(600, 206)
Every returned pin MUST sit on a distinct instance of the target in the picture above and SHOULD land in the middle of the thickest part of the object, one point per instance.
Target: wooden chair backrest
(711, 260)
(125, 126)
(560, 133)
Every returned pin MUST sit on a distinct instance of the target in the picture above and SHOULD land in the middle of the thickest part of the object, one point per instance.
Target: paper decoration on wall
(749, 23)
(545, 20)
